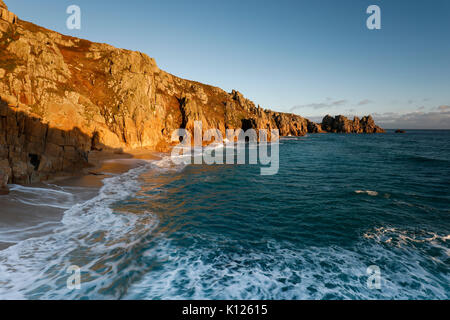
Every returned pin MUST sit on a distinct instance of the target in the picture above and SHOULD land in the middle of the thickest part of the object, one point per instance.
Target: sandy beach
(37, 209)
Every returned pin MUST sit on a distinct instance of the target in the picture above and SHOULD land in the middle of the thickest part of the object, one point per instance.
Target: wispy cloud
(322, 105)
(364, 102)
(437, 118)
(339, 102)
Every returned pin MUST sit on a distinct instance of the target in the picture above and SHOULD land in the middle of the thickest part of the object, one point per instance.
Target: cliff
(63, 97)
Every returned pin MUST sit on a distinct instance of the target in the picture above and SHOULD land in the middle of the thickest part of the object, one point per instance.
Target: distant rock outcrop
(341, 124)
(62, 98)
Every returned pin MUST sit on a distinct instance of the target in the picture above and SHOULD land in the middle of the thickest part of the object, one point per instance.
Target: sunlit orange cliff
(61, 98)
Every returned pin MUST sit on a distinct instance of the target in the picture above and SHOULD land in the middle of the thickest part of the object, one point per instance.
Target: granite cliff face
(62, 98)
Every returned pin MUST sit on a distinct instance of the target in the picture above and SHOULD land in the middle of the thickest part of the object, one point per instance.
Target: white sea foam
(117, 259)
(401, 238)
(42, 197)
(369, 192)
(285, 272)
(20, 234)
(294, 138)
(92, 236)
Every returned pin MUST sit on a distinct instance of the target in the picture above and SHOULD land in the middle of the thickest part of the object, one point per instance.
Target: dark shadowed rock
(314, 127)
(5, 174)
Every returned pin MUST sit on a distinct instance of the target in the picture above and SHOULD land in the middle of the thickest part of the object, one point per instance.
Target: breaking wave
(93, 235)
(369, 192)
(283, 272)
(166, 231)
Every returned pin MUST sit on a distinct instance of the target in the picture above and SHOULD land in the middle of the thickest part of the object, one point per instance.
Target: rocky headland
(63, 98)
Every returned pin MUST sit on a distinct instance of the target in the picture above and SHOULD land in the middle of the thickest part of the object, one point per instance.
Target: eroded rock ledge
(62, 97)
(6, 15)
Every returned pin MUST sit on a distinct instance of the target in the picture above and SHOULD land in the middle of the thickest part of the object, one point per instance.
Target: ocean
(340, 207)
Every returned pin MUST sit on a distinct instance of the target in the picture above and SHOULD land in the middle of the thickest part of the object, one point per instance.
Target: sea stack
(341, 124)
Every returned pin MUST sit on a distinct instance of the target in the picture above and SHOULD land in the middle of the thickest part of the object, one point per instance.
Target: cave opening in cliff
(34, 160)
(248, 124)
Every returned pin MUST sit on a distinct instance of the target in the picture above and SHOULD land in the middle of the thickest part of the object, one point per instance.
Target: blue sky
(309, 57)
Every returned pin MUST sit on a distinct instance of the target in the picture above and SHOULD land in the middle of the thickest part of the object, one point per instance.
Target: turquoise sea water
(339, 204)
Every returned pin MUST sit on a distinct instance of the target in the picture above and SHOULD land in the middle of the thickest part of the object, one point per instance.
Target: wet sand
(37, 209)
